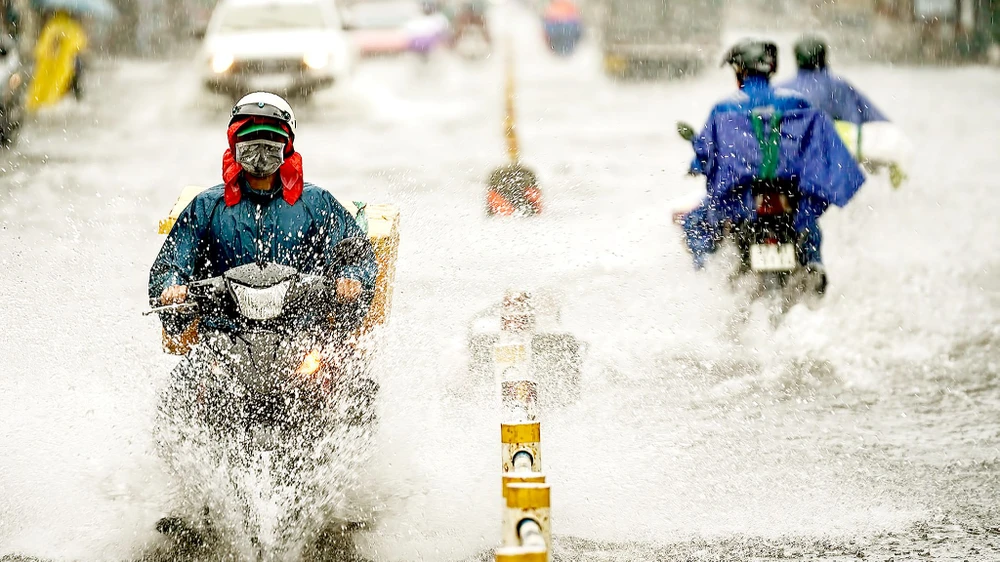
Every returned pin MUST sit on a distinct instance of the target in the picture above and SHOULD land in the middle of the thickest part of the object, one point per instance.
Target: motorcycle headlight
(317, 60)
(221, 62)
(310, 363)
(261, 304)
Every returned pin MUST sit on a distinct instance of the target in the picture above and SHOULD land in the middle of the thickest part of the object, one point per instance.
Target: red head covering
(290, 171)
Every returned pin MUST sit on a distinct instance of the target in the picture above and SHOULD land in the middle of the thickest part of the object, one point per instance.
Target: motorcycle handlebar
(207, 289)
(179, 308)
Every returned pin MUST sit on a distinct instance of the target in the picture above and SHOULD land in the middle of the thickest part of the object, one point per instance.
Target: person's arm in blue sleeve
(176, 262)
(360, 265)
(699, 232)
(699, 144)
(829, 171)
(869, 113)
(354, 260)
(696, 169)
(703, 148)
(863, 110)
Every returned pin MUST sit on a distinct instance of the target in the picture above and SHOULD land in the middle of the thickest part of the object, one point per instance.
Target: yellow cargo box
(383, 231)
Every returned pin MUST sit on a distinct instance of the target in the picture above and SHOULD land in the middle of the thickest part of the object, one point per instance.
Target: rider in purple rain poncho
(826, 91)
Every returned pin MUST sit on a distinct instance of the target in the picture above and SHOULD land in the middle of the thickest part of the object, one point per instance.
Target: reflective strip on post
(521, 478)
(523, 439)
(528, 508)
(521, 554)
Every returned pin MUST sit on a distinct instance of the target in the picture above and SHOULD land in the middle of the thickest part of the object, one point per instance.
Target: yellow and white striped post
(527, 520)
(521, 478)
(509, 118)
(521, 447)
(521, 554)
(512, 189)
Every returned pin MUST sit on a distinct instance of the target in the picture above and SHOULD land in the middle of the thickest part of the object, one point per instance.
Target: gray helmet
(753, 56)
(810, 53)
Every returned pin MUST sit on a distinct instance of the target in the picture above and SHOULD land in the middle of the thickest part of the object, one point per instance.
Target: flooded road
(865, 429)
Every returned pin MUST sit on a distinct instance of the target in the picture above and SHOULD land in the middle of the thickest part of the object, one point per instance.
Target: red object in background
(561, 10)
(380, 42)
(534, 197)
(499, 205)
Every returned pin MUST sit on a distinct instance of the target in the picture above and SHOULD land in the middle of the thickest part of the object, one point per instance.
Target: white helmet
(264, 104)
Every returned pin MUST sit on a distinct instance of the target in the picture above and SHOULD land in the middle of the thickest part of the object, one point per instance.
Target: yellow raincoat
(60, 43)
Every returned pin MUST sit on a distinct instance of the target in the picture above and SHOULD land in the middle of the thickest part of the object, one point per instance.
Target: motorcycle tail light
(770, 204)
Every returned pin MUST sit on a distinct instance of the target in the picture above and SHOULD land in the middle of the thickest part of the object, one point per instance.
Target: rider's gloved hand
(896, 175)
(348, 289)
(174, 295)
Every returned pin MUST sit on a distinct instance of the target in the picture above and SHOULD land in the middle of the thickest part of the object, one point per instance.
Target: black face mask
(260, 158)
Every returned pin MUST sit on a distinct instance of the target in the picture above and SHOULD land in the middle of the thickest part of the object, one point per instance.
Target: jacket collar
(257, 195)
(755, 86)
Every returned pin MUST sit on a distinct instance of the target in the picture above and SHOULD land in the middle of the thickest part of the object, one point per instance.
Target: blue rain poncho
(808, 151)
(834, 96)
(755, 92)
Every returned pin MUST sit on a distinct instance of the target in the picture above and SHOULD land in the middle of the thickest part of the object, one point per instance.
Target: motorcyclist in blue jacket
(809, 153)
(754, 62)
(264, 212)
(826, 91)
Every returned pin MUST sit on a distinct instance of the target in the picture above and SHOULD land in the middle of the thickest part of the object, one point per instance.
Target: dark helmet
(752, 56)
(810, 53)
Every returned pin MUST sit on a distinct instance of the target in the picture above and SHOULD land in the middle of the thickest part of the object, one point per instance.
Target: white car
(288, 47)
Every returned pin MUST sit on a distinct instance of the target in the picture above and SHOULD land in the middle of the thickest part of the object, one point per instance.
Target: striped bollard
(521, 554)
(527, 520)
(521, 478)
(521, 447)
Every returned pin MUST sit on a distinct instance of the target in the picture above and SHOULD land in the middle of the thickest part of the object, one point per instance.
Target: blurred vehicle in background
(199, 14)
(651, 37)
(392, 27)
(290, 47)
(12, 86)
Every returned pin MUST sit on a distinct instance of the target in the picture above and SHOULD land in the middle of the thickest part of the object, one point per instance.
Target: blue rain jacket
(562, 35)
(755, 92)
(209, 238)
(835, 96)
(729, 154)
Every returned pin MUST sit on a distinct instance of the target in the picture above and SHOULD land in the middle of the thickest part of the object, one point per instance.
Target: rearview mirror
(685, 130)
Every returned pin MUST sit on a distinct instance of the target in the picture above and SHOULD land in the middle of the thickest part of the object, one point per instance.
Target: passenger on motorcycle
(826, 91)
(264, 212)
(763, 133)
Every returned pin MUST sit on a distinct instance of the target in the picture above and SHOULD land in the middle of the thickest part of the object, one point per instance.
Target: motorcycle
(265, 422)
(470, 36)
(770, 265)
(12, 73)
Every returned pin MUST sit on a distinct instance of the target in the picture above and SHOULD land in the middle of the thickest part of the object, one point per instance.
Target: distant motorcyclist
(59, 64)
(763, 133)
(826, 91)
(562, 25)
(263, 212)
(470, 14)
